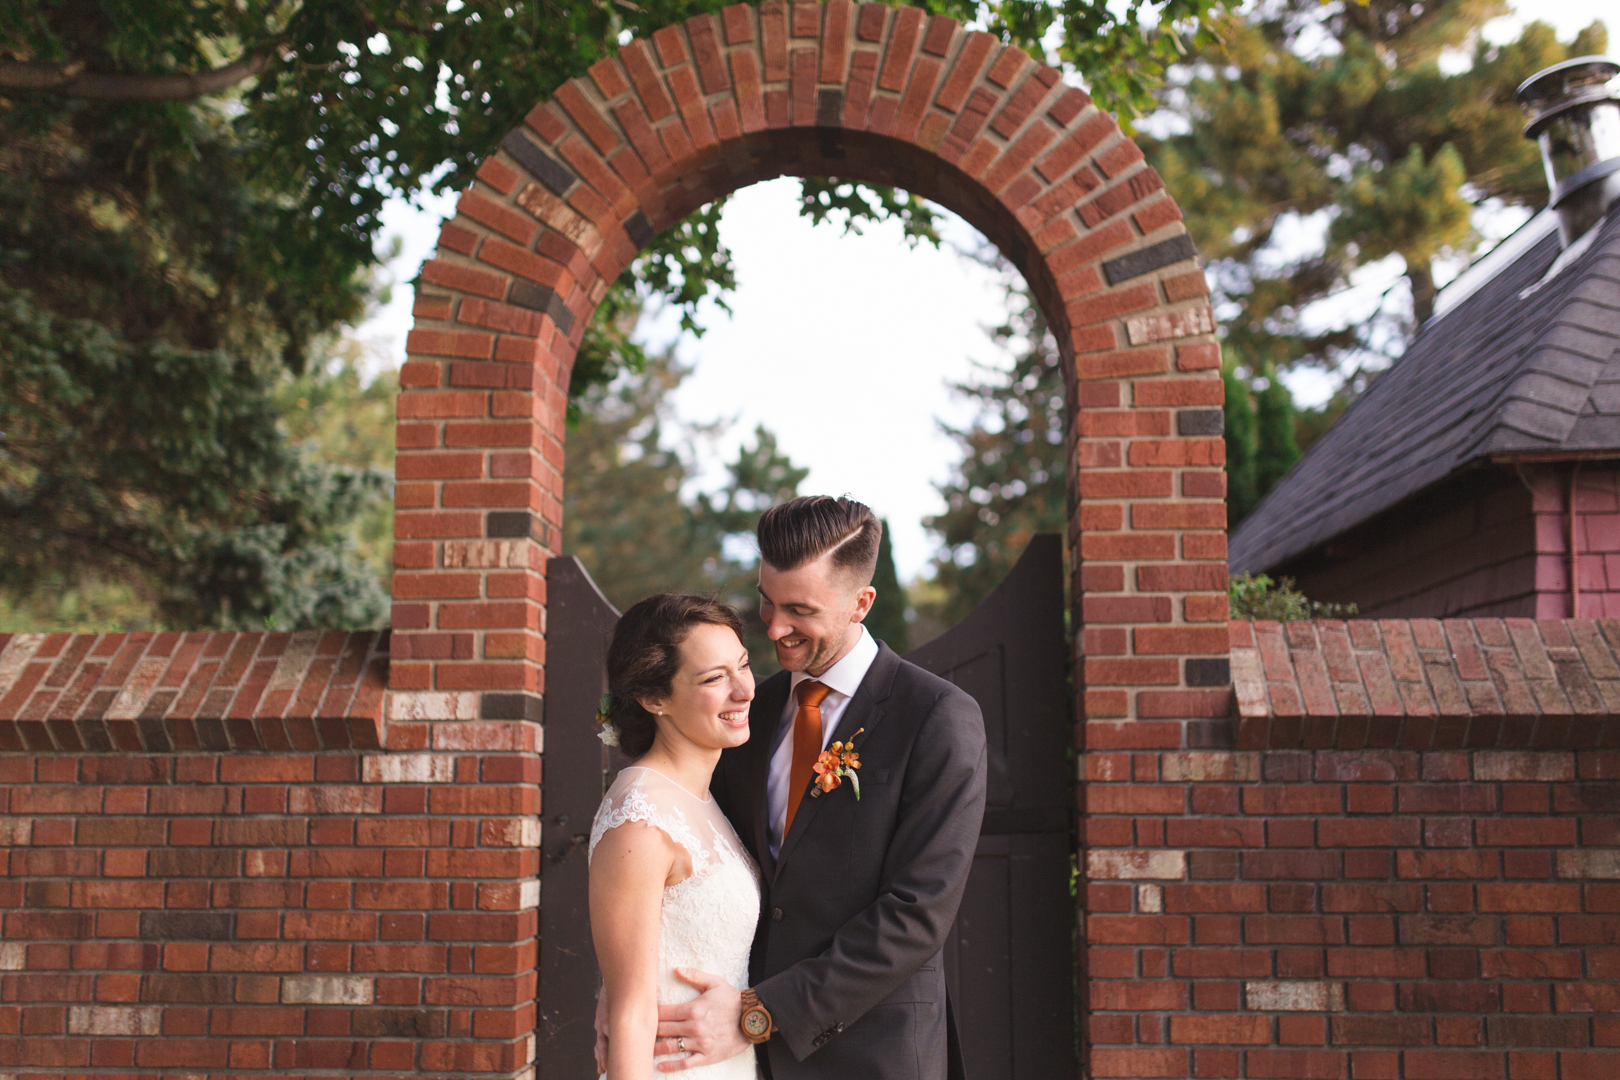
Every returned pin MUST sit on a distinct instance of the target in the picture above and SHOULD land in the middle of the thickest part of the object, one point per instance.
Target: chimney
(1577, 122)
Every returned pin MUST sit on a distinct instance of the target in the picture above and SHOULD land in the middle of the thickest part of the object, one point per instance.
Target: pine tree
(631, 519)
(1011, 482)
(887, 619)
(623, 513)
(1242, 490)
(1338, 122)
(1275, 447)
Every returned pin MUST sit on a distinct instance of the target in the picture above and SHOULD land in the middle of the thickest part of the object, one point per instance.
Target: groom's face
(812, 613)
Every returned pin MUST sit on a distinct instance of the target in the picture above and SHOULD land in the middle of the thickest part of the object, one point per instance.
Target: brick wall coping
(1427, 684)
(163, 691)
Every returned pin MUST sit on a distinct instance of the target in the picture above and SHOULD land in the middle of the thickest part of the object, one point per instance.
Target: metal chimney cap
(1555, 90)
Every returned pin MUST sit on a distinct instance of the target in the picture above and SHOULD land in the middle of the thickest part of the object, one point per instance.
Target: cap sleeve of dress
(645, 796)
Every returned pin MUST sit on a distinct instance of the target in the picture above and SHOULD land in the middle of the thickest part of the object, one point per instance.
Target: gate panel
(579, 626)
(1010, 961)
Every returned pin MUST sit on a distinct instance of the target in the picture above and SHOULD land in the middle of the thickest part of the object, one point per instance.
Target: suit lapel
(764, 720)
(866, 710)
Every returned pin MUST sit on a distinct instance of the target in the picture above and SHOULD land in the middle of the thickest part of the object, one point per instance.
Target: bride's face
(708, 701)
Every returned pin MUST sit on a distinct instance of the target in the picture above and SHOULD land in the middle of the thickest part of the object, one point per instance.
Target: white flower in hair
(610, 731)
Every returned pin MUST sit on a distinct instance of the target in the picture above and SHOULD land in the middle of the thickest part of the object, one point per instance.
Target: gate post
(477, 505)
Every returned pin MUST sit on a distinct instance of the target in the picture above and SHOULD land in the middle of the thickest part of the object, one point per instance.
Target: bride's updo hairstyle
(646, 654)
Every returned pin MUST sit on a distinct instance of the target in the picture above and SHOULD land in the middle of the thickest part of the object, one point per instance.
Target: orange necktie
(806, 745)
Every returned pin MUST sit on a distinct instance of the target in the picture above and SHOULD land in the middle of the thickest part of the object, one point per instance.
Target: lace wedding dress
(708, 919)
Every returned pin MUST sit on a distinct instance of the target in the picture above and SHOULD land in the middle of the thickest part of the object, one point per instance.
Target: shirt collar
(845, 676)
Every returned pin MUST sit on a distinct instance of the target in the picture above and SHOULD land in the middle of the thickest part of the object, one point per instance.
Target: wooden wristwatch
(756, 1022)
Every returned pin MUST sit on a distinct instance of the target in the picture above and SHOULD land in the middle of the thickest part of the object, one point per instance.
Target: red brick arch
(863, 92)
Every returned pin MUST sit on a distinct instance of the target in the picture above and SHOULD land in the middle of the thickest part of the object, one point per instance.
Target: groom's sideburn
(857, 906)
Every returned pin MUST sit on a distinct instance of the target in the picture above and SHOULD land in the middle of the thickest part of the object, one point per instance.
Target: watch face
(756, 1022)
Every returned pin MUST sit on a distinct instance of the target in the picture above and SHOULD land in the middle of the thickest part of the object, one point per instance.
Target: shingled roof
(1511, 369)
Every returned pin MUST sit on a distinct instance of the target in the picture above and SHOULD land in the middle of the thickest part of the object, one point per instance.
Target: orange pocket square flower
(836, 762)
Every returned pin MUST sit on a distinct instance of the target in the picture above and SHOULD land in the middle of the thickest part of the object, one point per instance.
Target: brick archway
(864, 92)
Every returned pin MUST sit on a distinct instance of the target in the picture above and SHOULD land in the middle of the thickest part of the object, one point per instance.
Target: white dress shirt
(841, 680)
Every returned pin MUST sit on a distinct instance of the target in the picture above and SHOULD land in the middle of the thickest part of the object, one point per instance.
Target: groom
(859, 894)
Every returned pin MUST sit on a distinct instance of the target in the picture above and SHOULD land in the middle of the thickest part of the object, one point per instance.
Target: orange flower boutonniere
(836, 762)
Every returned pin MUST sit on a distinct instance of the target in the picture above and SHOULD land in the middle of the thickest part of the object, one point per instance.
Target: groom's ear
(863, 602)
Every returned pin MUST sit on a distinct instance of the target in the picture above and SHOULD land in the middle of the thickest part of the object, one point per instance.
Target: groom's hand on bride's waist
(707, 1027)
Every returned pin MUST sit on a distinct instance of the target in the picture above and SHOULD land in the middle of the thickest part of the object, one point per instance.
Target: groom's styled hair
(804, 529)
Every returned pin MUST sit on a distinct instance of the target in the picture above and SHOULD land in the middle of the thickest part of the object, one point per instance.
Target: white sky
(845, 346)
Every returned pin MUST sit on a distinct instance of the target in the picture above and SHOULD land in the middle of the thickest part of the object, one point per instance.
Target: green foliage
(887, 619)
(1256, 596)
(1010, 483)
(1275, 447)
(1338, 120)
(1261, 437)
(624, 515)
(1242, 489)
(189, 206)
(824, 199)
(165, 467)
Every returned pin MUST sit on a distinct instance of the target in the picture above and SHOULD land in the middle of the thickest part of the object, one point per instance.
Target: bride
(672, 891)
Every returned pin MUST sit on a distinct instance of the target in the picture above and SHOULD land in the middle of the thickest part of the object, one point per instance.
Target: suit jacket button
(838, 1028)
(776, 914)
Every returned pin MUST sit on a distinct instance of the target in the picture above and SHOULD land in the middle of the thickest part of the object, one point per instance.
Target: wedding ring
(680, 1045)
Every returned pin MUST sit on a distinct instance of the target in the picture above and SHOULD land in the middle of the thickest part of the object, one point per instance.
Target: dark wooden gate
(579, 624)
(1009, 960)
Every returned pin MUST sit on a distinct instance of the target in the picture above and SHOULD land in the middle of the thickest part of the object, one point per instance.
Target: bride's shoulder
(646, 797)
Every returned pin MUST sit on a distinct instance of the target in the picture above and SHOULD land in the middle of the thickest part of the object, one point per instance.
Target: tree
(166, 468)
(630, 518)
(887, 619)
(1317, 140)
(624, 516)
(1242, 490)
(1011, 482)
(190, 194)
(1276, 448)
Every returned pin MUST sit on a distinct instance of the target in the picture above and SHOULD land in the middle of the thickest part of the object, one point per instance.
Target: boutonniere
(836, 762)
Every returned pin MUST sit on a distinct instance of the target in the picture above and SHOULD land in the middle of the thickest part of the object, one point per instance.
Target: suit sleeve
(941, 813)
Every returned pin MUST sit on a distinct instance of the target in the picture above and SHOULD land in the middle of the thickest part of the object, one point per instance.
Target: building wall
(1597, 539)
(1494, 542)
(1467, 551)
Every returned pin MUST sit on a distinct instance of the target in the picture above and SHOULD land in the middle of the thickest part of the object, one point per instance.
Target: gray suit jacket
(848, 957)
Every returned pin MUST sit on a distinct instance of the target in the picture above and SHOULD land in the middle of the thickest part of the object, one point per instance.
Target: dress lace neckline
(705, 799)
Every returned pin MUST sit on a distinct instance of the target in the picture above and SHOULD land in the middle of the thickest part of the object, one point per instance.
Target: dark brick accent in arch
(893, 96)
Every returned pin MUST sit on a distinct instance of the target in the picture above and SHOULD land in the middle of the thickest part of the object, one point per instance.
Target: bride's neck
(687, 764)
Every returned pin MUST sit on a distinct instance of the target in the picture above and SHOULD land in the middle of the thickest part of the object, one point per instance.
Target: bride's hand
(601, 1033)
(707, 1027)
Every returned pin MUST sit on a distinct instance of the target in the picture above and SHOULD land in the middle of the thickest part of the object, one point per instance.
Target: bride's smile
(707, 706)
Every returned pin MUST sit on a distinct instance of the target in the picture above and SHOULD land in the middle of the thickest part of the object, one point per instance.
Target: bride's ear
(652, 705)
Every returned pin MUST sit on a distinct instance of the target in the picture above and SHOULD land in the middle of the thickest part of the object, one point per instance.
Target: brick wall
(1493, 542)
(1370, 914)
(270, 897)
(1407, 869)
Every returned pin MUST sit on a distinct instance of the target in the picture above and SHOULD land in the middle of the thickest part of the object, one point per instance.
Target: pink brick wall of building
(1494, 543)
